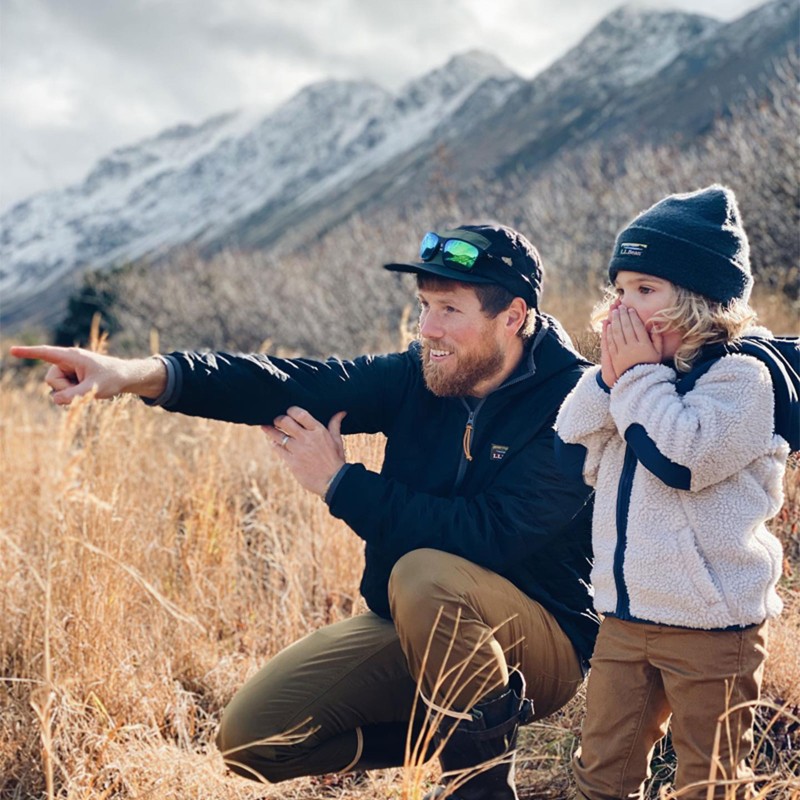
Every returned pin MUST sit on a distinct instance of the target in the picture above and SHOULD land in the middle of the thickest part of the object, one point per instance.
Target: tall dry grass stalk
(440, 716)
(152, 562)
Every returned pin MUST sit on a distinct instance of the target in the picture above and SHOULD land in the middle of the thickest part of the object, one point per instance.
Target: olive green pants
(641, 674)
(343, 697)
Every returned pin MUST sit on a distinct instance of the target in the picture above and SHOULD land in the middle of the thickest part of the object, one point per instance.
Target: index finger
(53, 355)
(303, 417)
(616, 329)
(627, 320)
(637, 324)
(607, 340)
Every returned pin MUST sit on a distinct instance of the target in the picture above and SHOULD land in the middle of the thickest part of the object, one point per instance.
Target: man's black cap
(507, 259)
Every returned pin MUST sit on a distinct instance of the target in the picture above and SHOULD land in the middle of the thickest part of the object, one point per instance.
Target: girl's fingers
(606, 365)
(615, 329)
(606, 340)
(637, 326)
(629, 331)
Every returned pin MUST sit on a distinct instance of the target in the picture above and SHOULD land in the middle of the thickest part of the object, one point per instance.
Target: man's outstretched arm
(75, 372)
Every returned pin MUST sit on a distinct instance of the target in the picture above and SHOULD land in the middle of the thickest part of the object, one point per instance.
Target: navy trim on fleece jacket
(508, 509)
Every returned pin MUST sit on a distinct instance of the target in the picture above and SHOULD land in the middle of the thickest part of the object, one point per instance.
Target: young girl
(676, 431)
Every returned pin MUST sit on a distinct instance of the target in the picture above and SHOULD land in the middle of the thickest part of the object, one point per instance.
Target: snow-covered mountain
(241, 179)
(191, 184)
(624, 52)
(627, 47)
(713, 74)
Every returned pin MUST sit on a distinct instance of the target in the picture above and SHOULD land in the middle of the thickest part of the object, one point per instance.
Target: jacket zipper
(623, 610)
(466, 442)
(469, 429)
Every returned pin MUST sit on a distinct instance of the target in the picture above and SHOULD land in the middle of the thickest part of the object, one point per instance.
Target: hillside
(342, 150)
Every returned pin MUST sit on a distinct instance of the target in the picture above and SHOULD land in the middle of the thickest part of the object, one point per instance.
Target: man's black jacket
(508, 509)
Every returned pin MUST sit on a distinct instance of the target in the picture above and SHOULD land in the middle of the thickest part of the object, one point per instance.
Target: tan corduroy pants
(343, 695)
(641, 674)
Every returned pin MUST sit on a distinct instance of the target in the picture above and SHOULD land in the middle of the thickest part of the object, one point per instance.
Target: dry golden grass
(152, 562)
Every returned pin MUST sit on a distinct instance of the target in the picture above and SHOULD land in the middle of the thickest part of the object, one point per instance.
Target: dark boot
(490, 734)
(384, 745)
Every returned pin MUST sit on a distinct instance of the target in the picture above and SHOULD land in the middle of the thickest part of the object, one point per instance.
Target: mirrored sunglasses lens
(460, 254)
(428, 246)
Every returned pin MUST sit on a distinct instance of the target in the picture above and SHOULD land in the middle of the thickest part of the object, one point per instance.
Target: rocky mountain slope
(338, 147)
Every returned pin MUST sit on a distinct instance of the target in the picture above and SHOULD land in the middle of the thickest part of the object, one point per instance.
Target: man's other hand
(313, 453)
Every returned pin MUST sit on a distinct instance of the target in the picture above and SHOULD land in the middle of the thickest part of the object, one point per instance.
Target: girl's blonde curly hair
(699, 320)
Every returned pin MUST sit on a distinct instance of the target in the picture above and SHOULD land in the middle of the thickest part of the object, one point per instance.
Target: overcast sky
(80, 77)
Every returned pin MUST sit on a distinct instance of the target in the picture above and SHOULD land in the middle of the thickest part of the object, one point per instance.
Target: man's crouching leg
(337, 700)
(466, 630)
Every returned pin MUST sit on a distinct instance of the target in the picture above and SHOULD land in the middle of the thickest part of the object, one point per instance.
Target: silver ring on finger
(285, 439)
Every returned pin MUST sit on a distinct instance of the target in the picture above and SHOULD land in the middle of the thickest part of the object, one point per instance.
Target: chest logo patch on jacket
(498, 451)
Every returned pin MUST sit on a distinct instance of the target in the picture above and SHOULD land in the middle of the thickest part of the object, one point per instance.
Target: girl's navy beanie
(695, 240)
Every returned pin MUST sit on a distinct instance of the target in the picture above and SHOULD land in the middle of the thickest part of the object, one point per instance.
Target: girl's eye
(645, 289)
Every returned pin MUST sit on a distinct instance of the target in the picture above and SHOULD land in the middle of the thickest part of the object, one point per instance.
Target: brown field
(152, 562)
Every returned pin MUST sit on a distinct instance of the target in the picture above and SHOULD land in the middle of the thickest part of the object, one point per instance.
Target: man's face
(462, 350)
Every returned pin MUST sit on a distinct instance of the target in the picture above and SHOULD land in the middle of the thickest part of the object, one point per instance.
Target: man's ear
(515, 315)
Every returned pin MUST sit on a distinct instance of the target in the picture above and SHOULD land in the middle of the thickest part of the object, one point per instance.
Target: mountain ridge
(245, 180)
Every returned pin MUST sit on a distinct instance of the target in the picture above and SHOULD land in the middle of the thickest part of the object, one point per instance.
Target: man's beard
(471, 369)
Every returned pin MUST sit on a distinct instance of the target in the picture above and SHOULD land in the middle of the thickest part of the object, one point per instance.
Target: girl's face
(648, 295)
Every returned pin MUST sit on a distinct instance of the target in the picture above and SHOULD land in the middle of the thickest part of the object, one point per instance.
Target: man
(477, 549)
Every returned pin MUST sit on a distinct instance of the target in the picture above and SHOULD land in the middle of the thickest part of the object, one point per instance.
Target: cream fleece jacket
(698, 556)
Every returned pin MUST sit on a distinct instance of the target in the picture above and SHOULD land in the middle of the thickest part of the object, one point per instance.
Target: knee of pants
(417, 584)
(241, 750)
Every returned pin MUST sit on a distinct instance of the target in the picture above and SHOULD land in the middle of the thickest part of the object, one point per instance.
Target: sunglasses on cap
(455, 252)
